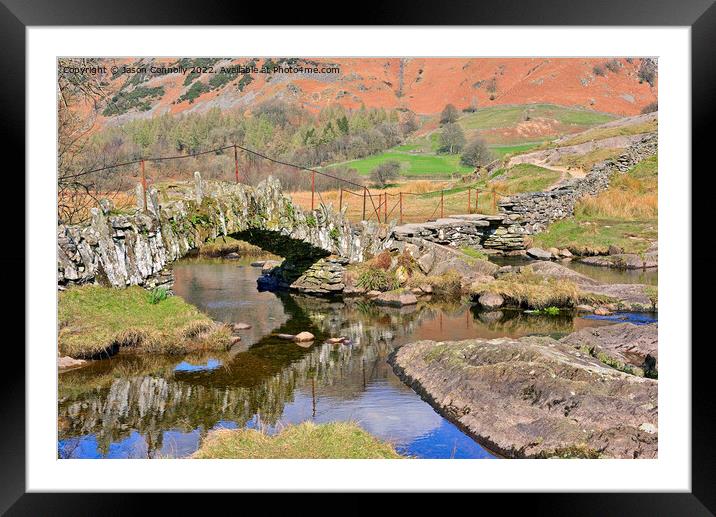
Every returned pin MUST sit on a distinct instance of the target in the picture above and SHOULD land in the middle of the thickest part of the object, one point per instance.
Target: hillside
(423, 85)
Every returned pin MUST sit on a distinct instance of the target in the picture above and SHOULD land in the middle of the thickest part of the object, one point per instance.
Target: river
(134, 406)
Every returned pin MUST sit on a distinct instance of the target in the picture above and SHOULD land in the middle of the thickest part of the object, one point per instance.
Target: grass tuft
(336, 440)
(447, 285)
(529, 290)
(97, 321)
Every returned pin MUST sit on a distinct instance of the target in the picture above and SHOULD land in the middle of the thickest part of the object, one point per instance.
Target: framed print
(402, 254)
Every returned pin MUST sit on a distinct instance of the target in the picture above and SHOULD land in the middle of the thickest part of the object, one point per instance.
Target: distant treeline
(276, 128)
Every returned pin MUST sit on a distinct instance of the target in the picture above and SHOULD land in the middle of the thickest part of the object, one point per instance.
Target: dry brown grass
(448, 285)
(417, 207)
(529, 290)
(633, 195)
(620, 204)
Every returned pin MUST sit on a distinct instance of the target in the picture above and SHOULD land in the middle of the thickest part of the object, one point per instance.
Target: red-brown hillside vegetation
(423, 85)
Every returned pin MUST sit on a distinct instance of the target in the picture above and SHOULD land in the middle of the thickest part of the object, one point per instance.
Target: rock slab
(534, 397)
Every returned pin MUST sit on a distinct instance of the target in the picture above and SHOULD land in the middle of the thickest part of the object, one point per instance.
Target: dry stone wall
(536, 210)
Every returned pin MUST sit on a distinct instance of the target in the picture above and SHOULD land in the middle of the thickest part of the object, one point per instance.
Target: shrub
(650, 108)
(613, 65)
(452, 139)
(647, 71)
(476, 153)
(385, 172)
(374, 279)
(491, 87)
(158, 294)
(449, 114)
(382, 260)
(598, 70)
(406, 260)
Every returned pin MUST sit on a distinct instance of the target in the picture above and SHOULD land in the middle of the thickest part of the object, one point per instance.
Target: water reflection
(603, 275)
(136, 406)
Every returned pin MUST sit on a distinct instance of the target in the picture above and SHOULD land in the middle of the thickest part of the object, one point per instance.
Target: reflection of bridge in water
(135, 393)
(144, 403)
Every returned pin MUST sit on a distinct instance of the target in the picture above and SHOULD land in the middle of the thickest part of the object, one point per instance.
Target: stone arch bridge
(121, 249)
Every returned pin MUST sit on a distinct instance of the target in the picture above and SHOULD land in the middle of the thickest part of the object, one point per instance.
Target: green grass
(473, 253)
(503, 150)
(94, 320)
(587, 160)
(524, 177)
(587, 235)
(335, 440)
(646, 169)
(506, 115)
(608, 132)
(411, 164)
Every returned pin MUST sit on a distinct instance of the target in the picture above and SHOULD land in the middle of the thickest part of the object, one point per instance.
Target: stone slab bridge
(135, 248)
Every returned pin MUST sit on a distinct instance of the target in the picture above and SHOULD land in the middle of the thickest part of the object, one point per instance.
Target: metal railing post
(469, 195)
(442, 204)
(401, 207)
(340, 200)
(385, 208)
(236, 163)
(365, 191)
(313, 187)
(144, 185)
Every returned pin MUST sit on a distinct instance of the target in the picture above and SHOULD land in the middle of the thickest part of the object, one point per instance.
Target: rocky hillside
(146, 87)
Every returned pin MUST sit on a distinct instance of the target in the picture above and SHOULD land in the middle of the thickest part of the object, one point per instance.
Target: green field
(506, 116)
(419, 157)
(503, 150)
(418, 164)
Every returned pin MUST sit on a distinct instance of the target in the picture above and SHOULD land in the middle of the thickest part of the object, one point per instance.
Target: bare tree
(80, 97)
(385, 172)
(476, 154)
(449, 114)
(452, 139)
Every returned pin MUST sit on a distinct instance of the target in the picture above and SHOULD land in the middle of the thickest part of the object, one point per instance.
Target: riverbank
(402, 278)
(536, 397)
(95, 322)
(336, 440)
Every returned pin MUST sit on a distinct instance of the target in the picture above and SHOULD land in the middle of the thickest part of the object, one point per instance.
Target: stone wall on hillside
(536, 210)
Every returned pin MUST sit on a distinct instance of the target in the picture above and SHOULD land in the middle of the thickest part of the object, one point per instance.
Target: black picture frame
(17, 15)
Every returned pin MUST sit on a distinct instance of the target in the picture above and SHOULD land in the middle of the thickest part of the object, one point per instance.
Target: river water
(138, 406)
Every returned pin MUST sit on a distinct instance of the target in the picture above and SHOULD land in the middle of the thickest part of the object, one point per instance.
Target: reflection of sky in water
(175, 444)
(638, 318)
(398, 416)
(211, 364)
